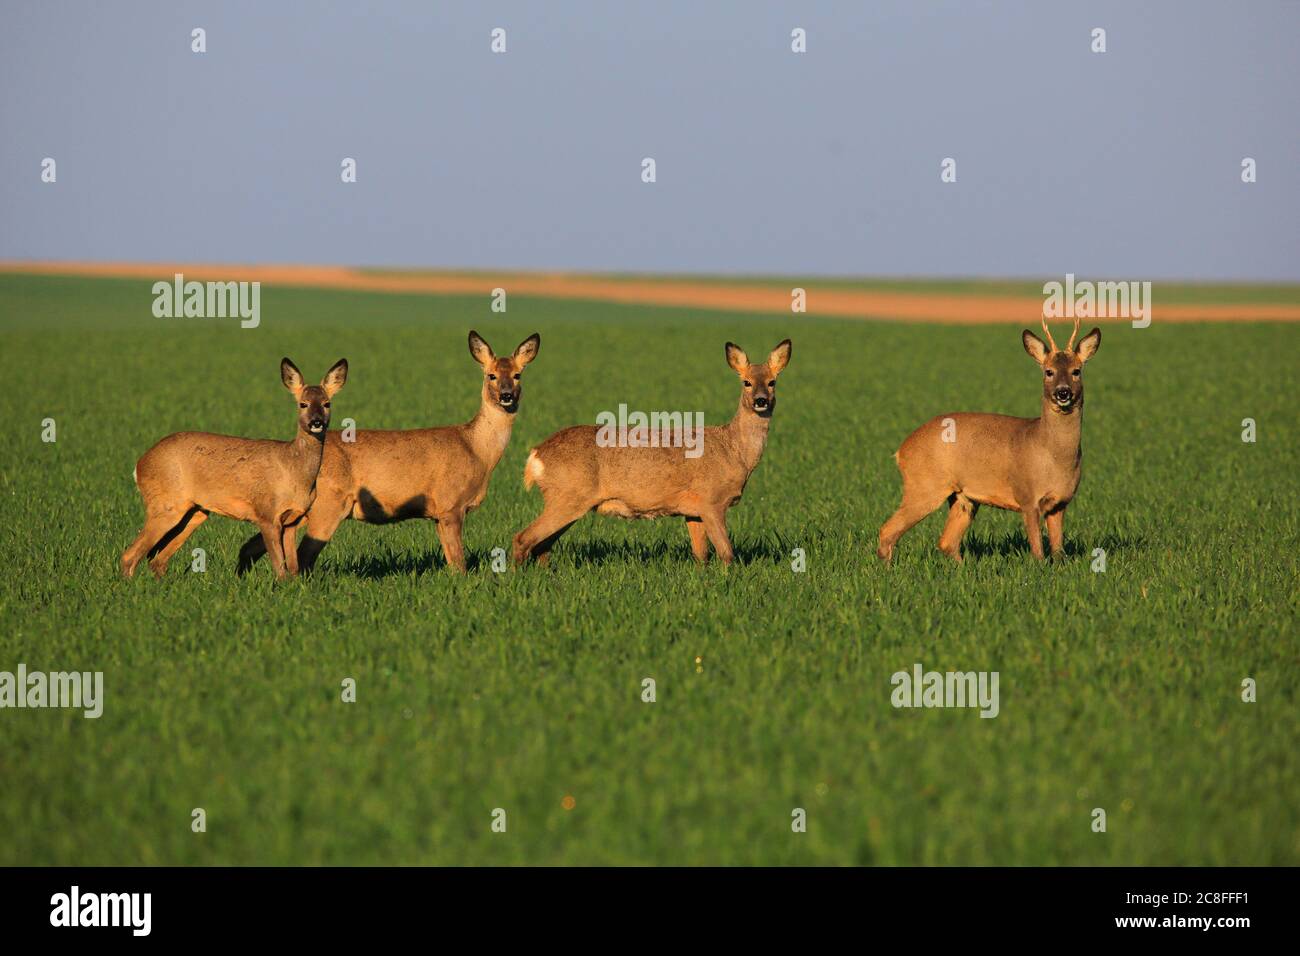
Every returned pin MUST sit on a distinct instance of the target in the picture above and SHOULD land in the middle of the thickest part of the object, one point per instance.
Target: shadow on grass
(375, 566)
(1013, 543)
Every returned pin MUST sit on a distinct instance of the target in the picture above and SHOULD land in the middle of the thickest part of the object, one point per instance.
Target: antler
(1069, 346)
(1051, 342)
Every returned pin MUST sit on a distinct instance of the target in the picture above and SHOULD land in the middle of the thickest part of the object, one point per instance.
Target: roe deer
(189, 475)
(1030, 465)
(437, 473)
(577, 475)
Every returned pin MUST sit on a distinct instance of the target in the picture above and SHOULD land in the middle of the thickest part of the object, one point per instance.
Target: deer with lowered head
(1030, 465)
(436, 473)
(189, 475)
(577, 474)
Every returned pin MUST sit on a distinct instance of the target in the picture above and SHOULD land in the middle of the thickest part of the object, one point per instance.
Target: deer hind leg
(188, 525)
(156, 525)
(450, 527)
(539, 537)
(916, 504)
(1032, 517)
(961, 512)
(699, 539)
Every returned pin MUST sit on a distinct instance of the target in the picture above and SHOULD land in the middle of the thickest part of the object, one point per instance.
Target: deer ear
(737, 358)
(779, 358)
(290, 375)
(335, 378)
(1035, 346)
(527, 350)
(478, 348)
(1088, 345)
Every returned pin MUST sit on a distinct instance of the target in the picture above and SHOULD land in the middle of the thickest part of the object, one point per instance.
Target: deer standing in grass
(1030, 465)
(578, 475)
(436, 473)
(189, 475)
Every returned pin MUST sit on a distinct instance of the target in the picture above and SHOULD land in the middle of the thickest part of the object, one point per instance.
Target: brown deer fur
(576, 475)
(436, 473)
(189, 475)
(1030, 465)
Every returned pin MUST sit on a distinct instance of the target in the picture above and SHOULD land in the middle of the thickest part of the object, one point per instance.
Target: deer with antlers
(1030, 465)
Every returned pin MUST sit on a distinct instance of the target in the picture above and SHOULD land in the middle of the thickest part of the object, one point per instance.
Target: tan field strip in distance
(742, 295)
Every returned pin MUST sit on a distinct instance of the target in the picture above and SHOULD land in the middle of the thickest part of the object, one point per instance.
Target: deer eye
(772, 384)
(516, 376)
(327, 404)
(748, 384)
(492, 378)
(302, 404)
(1050, 373)
(1076, 372)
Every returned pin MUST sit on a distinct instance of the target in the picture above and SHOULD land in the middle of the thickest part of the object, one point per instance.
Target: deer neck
(307, 450)
(748, 433)
(1062, 433)
(488, 432)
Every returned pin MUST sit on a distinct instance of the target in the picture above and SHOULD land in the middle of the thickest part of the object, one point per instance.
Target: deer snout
(762, 403)
(1062, 394)
(317, 424)
(507, 397)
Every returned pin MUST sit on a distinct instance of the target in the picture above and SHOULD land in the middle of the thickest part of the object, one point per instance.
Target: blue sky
(1125, 164)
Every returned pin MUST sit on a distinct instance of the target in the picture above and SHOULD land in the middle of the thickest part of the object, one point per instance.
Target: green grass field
(1119, 690)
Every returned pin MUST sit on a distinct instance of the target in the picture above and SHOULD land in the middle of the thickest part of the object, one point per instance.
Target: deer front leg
(289, 545)
(1032, 517)
(449, 533)
(699, 539)
(271, 539)
(1056, 531)
(715, 526)
(323, 519)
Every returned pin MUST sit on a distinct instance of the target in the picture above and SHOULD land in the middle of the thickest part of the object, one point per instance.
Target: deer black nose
(507, 396)
(1062, 391)
(760, 402)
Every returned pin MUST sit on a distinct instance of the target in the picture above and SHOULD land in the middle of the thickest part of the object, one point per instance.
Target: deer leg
(274, 547)
(715, 526)
(289, 546)
(1035, 532)
(321, 525)
(1056, 531)
(453, 546)
(914, 507)
(539, 537)
(699, 539)
(189, 524)
(961, 511)
(156, 526)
